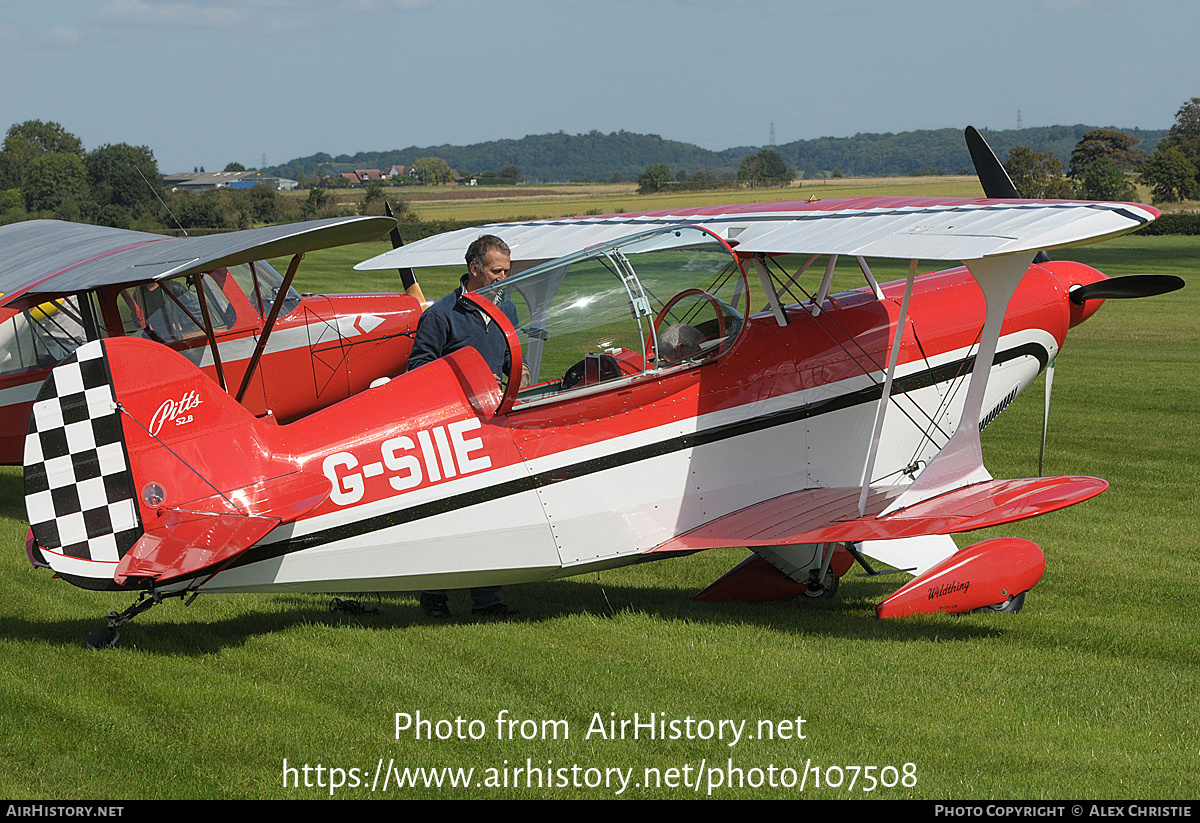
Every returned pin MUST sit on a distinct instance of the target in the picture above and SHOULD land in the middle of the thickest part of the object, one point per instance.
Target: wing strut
(280, 297)
(208, 330)
(826, 282)
(769, 287)
(960, 462)
(885, 399)
(866, 270)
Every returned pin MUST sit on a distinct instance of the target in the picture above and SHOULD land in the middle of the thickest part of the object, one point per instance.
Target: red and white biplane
(663, 416)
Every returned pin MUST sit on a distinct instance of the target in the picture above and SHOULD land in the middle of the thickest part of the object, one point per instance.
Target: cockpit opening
(668, 299)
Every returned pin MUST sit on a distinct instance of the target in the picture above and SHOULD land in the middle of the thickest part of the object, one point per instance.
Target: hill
(623, 155)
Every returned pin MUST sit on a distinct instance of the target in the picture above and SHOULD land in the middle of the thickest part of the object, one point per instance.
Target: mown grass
(1090, 692)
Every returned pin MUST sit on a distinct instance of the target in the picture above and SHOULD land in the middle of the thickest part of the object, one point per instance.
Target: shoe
(435, 605)
(494, 610)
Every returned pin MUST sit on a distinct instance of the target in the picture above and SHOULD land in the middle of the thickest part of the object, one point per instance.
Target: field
(1090, 692)
(498, 203)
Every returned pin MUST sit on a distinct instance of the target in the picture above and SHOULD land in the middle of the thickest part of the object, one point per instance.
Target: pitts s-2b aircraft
(661, 416)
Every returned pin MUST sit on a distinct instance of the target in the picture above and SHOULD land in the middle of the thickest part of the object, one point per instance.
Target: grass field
(1091, 692)
(495, 204)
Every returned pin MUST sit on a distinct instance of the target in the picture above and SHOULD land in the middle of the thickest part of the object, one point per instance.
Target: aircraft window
(40, 337)
(148, 311)
(261, 283)
(601, 315)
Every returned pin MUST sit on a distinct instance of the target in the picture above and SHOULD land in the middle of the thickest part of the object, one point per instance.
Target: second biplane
(214, 299)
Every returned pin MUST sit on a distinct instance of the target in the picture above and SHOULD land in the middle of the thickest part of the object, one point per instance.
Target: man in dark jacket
(453, 323)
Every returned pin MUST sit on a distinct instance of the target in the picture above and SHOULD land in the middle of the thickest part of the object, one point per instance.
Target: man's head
(487, 262)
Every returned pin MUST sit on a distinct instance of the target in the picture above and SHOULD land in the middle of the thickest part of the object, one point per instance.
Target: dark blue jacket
(454, 322)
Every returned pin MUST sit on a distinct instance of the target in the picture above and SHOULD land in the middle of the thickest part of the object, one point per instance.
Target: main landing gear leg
(822, 583)
(106, 636)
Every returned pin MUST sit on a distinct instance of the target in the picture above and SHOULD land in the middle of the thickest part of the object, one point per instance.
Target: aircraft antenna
(164, 205)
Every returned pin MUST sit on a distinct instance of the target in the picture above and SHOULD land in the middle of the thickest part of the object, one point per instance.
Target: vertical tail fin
(140, 470)
(79, 491)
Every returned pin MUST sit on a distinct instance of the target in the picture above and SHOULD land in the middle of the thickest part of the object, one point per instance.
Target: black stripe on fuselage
(919, 380)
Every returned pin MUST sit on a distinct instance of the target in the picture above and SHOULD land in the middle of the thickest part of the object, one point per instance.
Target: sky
(209, 82)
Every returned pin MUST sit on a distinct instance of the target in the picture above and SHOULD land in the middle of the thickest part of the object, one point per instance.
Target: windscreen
(661, 299)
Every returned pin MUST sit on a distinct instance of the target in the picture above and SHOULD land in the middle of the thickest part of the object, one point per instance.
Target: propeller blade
(408, 278)
(992, 176)
(1131, 285)
(1046, 415)
(988, 168)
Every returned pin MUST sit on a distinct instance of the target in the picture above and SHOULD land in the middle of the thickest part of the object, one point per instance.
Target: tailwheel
(1010, 606)
(103, 637)
(824, 588)
(106, 636)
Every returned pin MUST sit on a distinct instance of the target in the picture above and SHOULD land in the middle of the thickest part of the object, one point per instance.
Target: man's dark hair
(477, 251)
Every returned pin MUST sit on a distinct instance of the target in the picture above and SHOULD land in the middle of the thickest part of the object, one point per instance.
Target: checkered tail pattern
(79, 492)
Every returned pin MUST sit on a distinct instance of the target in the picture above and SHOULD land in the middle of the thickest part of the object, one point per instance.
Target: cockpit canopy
(665, 299)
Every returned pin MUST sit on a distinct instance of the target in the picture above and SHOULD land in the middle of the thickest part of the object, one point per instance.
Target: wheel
(825, 590)
(103, 637)
(1010, 606)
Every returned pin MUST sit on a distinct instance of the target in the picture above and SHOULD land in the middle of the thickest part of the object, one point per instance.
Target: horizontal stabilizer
(207, 533)
(831, 515)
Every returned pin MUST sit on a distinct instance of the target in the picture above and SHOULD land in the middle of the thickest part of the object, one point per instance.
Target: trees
(49, 138)
(57, 180)
(653, 178)
(44, 161)
(126, 176)
(433, 170)
(1170, 175)
(318, 200)
(1185, 135)
(372, 202)
(765, 169)
(1037, 175)
(1108, 144)
(1103, 179)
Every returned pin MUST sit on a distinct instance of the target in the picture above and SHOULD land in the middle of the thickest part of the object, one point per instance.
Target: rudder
(141, 470)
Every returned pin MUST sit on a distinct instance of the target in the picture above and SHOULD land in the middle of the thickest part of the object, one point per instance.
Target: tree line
(1105, 162)
(45, 172)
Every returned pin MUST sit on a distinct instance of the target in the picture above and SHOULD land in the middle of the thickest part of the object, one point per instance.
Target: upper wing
(42, 258)
(906, 228)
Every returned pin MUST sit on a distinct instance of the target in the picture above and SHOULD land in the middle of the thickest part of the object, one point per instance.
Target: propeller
(408, 278)
(1129, 286)
(996, 183)
(988, 168)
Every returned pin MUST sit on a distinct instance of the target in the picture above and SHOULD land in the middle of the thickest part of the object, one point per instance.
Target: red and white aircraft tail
(163, 477)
